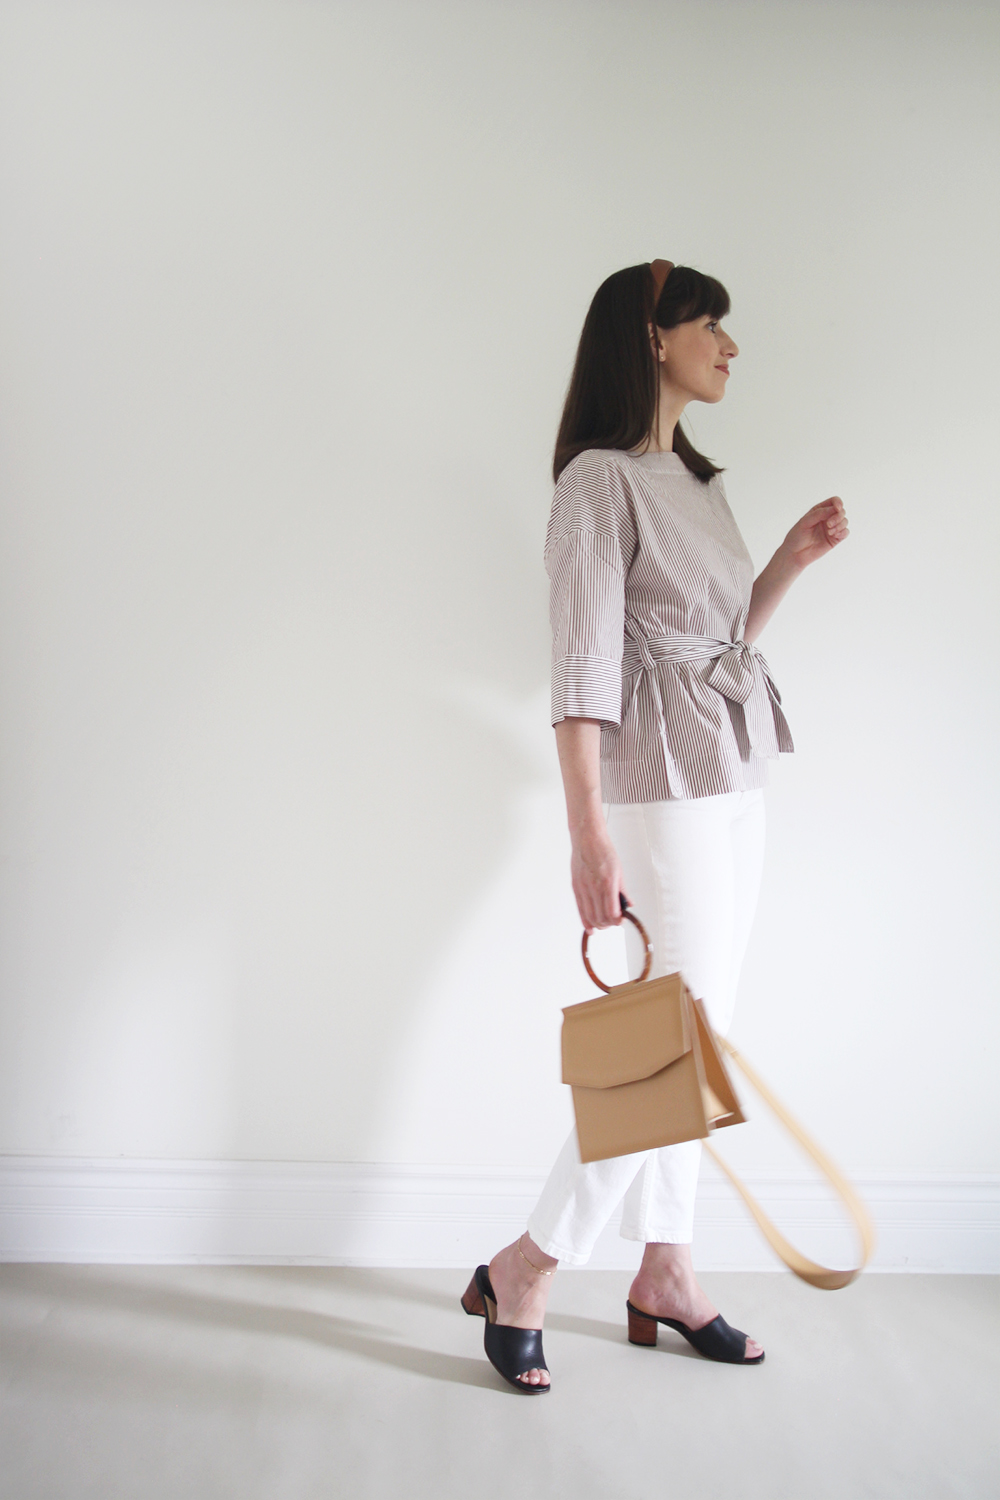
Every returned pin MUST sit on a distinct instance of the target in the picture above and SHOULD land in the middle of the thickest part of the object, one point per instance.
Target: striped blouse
(650, 590)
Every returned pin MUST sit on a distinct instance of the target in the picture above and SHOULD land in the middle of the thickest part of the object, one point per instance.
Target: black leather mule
(511, 1351)
(715, 1341)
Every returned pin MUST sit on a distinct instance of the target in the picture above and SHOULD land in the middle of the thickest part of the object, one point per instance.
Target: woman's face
(694, 358)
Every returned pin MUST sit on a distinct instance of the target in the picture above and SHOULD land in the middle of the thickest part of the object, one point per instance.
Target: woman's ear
(655, 345)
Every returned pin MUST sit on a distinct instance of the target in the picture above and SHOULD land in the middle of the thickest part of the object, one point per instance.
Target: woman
(665, 715)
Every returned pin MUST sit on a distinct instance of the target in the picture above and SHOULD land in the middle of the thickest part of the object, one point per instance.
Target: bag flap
(631, 1033)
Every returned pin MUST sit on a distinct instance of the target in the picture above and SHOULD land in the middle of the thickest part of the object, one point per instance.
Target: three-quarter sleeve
(590, 544)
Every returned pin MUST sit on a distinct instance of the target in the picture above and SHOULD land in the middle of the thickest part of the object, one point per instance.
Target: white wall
(290, 297)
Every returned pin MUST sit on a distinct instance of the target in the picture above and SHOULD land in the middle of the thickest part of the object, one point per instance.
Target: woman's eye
(713, 324)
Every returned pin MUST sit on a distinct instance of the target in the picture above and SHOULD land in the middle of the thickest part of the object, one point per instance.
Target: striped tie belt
(739, 673)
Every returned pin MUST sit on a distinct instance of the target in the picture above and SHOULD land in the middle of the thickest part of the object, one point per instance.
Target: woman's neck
(669, 412)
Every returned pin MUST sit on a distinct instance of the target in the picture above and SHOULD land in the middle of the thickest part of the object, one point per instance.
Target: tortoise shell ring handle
(645, 938)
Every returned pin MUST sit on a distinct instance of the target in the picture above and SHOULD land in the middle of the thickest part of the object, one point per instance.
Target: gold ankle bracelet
(531, 1263)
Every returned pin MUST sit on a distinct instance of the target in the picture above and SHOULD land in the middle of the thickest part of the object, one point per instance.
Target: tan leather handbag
(647, 1070)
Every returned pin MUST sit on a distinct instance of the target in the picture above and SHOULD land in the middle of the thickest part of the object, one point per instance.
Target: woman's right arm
(595, 869)
(591, 540)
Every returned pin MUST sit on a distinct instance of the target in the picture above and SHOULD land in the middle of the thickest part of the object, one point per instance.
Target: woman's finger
(607, 916)
(834, 506)
(599, 909)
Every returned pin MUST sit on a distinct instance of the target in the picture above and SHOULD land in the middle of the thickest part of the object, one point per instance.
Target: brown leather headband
(661, 269)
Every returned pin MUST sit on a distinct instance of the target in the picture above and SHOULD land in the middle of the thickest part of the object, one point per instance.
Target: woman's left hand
(818, 532)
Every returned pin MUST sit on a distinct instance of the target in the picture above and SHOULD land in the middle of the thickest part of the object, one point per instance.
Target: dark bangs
(689, 294)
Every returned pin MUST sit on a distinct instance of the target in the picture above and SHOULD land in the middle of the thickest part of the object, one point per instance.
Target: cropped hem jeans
(691, 869)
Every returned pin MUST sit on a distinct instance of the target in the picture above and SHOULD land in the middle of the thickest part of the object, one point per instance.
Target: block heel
(472, 1301)
(642, 1329)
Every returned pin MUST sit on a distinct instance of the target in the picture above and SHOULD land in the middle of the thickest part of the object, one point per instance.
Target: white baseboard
(362, 1214)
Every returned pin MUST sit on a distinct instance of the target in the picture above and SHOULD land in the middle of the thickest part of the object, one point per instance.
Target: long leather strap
(808, 1270)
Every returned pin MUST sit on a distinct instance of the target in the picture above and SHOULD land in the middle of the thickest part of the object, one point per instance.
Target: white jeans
(692, 871)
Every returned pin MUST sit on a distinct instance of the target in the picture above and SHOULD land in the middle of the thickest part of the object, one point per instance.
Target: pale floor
(193, 1382)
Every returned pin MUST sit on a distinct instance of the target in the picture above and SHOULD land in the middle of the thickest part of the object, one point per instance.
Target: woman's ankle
(666, 1268)
(525, 1265)
(667, 1261)
(534, 1256)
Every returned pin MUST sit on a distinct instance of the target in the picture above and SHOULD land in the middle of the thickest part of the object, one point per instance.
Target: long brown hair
(614, 390)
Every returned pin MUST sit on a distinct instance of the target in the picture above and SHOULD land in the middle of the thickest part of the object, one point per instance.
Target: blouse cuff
(587, 687)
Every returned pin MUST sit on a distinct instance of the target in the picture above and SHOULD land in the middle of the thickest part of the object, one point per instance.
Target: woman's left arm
(819, 531)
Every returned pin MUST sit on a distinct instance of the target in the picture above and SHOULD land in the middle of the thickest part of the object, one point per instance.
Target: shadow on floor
(103, 1291)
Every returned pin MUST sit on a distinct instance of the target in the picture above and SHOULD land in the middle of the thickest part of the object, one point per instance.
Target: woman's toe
(753, 1349)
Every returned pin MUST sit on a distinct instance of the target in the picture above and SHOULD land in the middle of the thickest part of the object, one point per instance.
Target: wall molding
(116, 1210)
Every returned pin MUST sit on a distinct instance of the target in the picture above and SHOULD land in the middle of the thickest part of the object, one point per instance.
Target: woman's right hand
(597, 879)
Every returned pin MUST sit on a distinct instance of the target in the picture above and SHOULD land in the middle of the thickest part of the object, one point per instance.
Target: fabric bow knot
(739, 673)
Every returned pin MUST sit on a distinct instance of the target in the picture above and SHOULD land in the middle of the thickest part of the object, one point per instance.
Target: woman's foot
(522, 1292)
(667, 1287)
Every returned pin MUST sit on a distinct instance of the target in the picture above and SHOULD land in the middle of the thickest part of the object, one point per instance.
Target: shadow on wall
(392, 811)
(300, 807)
